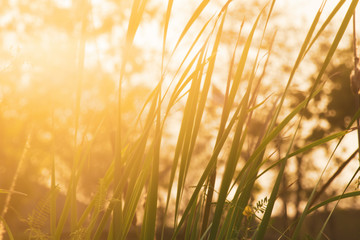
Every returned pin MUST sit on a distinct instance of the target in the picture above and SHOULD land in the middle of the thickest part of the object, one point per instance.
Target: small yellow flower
(247, 211)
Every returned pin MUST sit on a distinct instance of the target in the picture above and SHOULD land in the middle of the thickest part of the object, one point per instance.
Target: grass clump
(130, 202)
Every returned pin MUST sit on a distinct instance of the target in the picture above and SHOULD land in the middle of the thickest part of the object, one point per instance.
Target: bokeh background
(40, 64)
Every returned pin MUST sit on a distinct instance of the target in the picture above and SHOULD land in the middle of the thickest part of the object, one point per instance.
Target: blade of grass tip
(177, 92)
(212, 177)
(233, 91)
(137, 11)
(195, 41)
(255, 68)
(149, 223)
(348, 129)
(275, 131)
(305, 149)
(224, 116)
(257, 64)
(166, 25)
(231, 218)
(204, 96)
(230, 166)
(299, 58)
(257, 156)
(233, 156)
(234, 216)
(261, 230)
(172, 101)
(12, 192)
(182, 83)
(264, 223)
(199, 34)
(326, 23)
(311, 145)
(333, 199)
(226, 111)
(208, 169)
(258, 84)
(197, 112)
(333, 47)
(202, 101)
(186, 56)
(191, 21)
(335, 43)
(318, 237)
(187, 126)
(333, 177)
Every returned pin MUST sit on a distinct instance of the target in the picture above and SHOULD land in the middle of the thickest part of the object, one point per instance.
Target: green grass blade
(326, 23)
(151, 202)
(335, 43)
(322, 70)
(212, 178)
(208, 169)
(166, 25)
(193, 18)
(334, 199)
(137, 11)
(8, 231)
(233, 156)
(132, 202)
(187, 126)
(306, 148)
(337, 202)
(4, 191)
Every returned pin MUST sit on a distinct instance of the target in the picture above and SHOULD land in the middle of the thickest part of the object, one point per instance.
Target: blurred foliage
(38, 84)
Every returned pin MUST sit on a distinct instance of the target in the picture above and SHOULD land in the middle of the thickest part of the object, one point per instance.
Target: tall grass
(202, 211)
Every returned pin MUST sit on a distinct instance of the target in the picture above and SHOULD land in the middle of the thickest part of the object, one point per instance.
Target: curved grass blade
(137, 11)
(331, 52)
(208, 169)
(193, 18)
(332, 211)
(334, 199)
